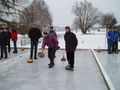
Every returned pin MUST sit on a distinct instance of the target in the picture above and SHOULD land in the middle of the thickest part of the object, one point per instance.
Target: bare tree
(37, 13)
(10, 7)
(86, 15)
(108, 20)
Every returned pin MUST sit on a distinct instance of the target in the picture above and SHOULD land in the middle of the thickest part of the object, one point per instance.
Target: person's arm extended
(43, 45)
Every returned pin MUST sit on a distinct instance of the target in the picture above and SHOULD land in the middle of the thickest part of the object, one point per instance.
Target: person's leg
(68, 57)
(116, 46)
(5, 51)
(72, 59)
(108, 44)
(1, 51)
(9, 49)
(35, 52)
(51, 54)
(31, 49)
(109, 47)
(15, 46)
(113, 47)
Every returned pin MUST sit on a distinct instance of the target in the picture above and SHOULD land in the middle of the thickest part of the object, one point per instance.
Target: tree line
(35, 13)
(86, 16)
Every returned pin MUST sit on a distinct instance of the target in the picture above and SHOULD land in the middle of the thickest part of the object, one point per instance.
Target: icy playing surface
(111, 64)
(21, 75)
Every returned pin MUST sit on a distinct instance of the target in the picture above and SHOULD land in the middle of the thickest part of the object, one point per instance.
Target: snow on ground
(92, 40)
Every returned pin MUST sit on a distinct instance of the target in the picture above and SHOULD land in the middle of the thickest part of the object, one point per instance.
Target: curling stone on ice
(41, 55)
(30, 60)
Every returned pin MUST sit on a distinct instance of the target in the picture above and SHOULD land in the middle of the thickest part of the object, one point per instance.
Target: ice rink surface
(20, 75)
(111, 63)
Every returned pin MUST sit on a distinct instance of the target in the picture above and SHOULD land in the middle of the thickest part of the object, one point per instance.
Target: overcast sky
(61, 10)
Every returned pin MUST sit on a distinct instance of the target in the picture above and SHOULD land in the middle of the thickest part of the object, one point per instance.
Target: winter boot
(69, 68)
(51, 65)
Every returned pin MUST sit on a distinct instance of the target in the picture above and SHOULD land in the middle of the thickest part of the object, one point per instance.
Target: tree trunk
(84, 31)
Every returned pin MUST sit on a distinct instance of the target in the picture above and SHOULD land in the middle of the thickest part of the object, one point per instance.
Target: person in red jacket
(14, 38)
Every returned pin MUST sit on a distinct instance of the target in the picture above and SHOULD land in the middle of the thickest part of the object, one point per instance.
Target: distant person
(115, 41)
(14, 38)
(110, 39)
(51, 41)
(52, 31)
(3, 43)
(34, 35)
(70, 46)
(9, 37)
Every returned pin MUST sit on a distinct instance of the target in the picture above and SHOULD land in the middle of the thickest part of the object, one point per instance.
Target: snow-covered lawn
(92, 40)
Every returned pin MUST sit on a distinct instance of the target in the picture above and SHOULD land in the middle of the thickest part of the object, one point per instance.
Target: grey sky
(62, 9)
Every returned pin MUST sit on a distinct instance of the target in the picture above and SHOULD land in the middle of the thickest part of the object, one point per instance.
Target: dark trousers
(115, 46)
(70, 58)
(15, 46)
(33, 45)
(9, 49)
(3, 51)
(51, 54)
(110, 44)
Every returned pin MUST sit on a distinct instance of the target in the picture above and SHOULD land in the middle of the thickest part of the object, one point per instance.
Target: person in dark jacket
(14, 38)
(0, 41)
(34, 34)
(115, 41)
(9, 37)
(3, 42)
(110, 39)
(70, 45)
(51, 41)
(52, 31)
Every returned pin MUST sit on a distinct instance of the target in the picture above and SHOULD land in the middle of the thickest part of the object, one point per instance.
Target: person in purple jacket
(51, 41)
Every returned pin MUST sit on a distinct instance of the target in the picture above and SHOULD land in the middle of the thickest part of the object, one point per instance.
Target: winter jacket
(34, 34)
(4, 39)
(50, 41)
(9, 35)
(70, 42)
(14, 35)
(116, 36)
(110, 35)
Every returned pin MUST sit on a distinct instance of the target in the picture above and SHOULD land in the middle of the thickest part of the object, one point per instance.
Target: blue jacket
(116, 36)
(110, 35)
